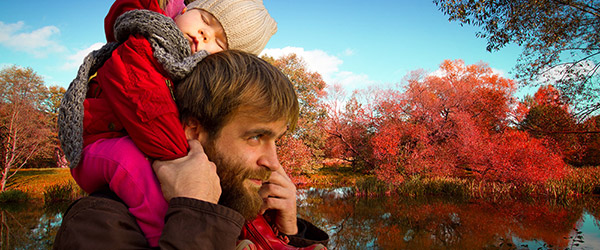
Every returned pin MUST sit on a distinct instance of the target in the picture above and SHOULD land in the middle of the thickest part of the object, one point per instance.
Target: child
(129, 104)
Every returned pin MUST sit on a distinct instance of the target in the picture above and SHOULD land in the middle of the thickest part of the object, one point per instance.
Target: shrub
(371, 185)
(417, 186)
(13, 196)
(60, 192)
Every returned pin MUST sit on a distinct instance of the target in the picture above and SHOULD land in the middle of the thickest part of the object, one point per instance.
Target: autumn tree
(558, 37)
(51, 155)
(25, 128)
(349, 126)
(452, 122)
(310, 89)
(591, 142)
(549, 117)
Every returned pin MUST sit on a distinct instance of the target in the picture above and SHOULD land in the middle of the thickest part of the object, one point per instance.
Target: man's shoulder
(98, 222)
(100, 202)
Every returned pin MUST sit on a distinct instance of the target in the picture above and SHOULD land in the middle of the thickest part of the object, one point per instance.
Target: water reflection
(29, 225)
(397, 223)
(384, 223)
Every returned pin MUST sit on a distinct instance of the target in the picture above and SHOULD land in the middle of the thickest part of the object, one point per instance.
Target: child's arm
(135, 87)
(121, 6)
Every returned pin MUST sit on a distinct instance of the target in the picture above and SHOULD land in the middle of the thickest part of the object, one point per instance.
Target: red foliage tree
(308, 137)
(550, 118)
(520, 158)
(25, 129)
(350, 127)
(454, 121)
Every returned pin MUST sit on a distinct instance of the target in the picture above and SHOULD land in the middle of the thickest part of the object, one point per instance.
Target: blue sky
(353, 43)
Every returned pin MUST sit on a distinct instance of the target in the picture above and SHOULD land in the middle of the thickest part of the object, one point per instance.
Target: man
(234, 106)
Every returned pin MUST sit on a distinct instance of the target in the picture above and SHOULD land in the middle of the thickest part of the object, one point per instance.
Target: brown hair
(234, 82)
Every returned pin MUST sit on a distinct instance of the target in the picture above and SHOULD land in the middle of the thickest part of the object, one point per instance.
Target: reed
(585, 181)
(61, 192)
(417, 186)
(371, 186)
(13, 196)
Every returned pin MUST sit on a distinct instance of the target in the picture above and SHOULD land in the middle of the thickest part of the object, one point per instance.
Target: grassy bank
(36, 182)
(54, 183)
(579, 182)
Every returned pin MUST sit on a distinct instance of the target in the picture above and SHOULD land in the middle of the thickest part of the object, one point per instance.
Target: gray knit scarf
(170, 48)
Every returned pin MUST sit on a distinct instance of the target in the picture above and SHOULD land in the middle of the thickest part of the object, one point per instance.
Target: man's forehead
(255, 123)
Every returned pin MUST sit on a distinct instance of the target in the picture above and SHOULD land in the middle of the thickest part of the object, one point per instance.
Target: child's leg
(120, 164)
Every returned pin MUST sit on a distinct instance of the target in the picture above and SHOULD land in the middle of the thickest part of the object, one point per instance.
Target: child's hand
(279, 196)
(192, 176)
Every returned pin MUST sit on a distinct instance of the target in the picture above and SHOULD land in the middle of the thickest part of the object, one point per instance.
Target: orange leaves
(458, 118)
(550, 96)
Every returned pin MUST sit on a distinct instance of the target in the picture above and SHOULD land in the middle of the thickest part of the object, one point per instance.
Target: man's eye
(255, 138)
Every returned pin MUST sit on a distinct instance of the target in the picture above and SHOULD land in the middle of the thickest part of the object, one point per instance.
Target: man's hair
(233, 82)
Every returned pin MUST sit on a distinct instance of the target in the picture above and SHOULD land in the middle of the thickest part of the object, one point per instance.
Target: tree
(52, 101)
(453, 122)
(51, 155)
(591, 142)
(549, 118)
(350, 126)
(558, 37)
(310, 89)
(24, 129)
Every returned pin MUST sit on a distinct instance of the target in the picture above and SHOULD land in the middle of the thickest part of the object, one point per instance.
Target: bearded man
(234, 106)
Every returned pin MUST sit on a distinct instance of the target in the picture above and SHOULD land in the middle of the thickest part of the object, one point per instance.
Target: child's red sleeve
(121, 6)
(133, 84)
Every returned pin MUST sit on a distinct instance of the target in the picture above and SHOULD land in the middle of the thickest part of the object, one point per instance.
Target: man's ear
(194, 131)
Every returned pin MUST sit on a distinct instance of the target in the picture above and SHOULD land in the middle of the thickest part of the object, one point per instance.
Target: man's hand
(279, 195)
(192, 176)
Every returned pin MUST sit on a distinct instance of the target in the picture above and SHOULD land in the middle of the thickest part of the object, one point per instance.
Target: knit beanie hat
(247, 24)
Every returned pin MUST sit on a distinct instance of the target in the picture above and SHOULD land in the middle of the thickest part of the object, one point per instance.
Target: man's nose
(269, 158)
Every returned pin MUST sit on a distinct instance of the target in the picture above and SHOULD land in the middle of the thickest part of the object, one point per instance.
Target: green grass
(580, 181)
(35, 182)
(61, 192)
(341, 175)
(11, 196)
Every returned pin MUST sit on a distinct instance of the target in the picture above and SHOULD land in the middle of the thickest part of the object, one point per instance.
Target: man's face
(245, 154)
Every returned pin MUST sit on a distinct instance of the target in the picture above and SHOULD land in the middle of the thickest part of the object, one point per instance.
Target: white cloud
(5, 65)
(567, 72)
(348, 52)
(39, 42)
(75, 60)
(500, 72)
(326, 65)
(350, 79)
(440, 73)
(316, 60)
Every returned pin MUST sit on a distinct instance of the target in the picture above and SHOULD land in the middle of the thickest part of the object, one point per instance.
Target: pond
(386, 222)
(392, 222)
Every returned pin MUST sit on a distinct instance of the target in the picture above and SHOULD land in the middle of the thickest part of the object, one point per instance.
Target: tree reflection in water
(29, 225)
(435, 223)
(384, 222)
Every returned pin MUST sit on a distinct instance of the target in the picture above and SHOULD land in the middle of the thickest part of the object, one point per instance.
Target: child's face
(203, 31)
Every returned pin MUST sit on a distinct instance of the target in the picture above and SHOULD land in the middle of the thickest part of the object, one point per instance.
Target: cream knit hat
(247, 24)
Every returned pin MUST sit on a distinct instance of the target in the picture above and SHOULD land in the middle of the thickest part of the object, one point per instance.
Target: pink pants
(118, 163)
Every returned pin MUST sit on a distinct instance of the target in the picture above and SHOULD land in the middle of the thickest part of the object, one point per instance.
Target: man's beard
(232, 173)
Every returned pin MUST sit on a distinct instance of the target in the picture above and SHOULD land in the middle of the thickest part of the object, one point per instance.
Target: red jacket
(122, 6)
(132, 95)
